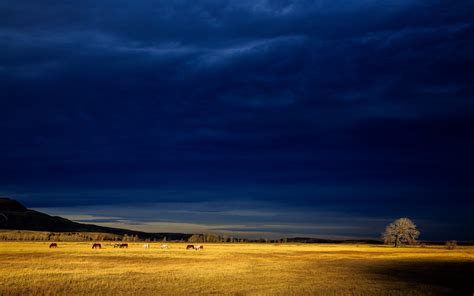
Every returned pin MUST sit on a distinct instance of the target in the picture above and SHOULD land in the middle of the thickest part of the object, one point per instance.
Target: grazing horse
(96, 246)
(123, 246)
(53, 245)
(199, 247)
(190, 247)
(116, 245)
(164, 246)
(146, 246)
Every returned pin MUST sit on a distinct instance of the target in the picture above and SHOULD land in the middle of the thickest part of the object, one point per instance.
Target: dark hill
(7, 204)
(15, 216)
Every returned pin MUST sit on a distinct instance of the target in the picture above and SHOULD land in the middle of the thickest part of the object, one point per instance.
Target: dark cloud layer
(362, 107)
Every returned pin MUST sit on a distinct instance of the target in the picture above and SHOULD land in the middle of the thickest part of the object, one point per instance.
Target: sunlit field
(234, 269)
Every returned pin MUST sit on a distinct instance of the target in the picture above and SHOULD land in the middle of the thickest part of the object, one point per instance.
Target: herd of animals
(125, 245)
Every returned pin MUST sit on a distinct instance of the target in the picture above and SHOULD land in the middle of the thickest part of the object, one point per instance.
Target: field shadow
(443, 277)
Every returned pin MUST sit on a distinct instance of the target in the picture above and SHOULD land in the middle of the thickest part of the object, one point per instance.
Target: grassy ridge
(234, 269)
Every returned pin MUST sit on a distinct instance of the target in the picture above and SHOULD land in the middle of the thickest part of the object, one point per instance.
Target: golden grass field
(234, 269)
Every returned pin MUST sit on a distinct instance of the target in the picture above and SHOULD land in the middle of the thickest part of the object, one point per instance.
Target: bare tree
(401, 231)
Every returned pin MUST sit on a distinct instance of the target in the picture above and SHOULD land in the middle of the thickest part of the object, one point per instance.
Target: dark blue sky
(265, 118)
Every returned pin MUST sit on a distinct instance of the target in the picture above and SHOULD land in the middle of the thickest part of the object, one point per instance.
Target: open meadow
(234, 269)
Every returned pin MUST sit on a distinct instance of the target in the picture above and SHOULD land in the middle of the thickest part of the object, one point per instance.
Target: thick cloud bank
(364, 108)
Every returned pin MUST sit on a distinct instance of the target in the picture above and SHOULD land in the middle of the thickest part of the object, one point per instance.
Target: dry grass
(234, 269)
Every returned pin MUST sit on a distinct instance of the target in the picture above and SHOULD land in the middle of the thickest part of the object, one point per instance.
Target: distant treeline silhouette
(214, 238)
(27, 235)
(24, 235)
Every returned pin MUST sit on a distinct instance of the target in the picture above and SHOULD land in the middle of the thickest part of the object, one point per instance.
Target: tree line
(24, 235)
(399, 233)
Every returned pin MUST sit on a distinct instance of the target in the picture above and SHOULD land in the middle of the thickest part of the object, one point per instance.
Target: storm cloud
(364, 108)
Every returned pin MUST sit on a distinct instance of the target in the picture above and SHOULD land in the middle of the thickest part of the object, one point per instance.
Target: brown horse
(190, 247)
(96, 246)
(123, 246)
(53, 245)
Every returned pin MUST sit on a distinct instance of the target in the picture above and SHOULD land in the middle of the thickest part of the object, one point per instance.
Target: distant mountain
(15, 216)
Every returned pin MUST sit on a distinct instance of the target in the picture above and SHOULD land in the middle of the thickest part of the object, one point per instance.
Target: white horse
(164, 246)
(199, 247)
(146, 246)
